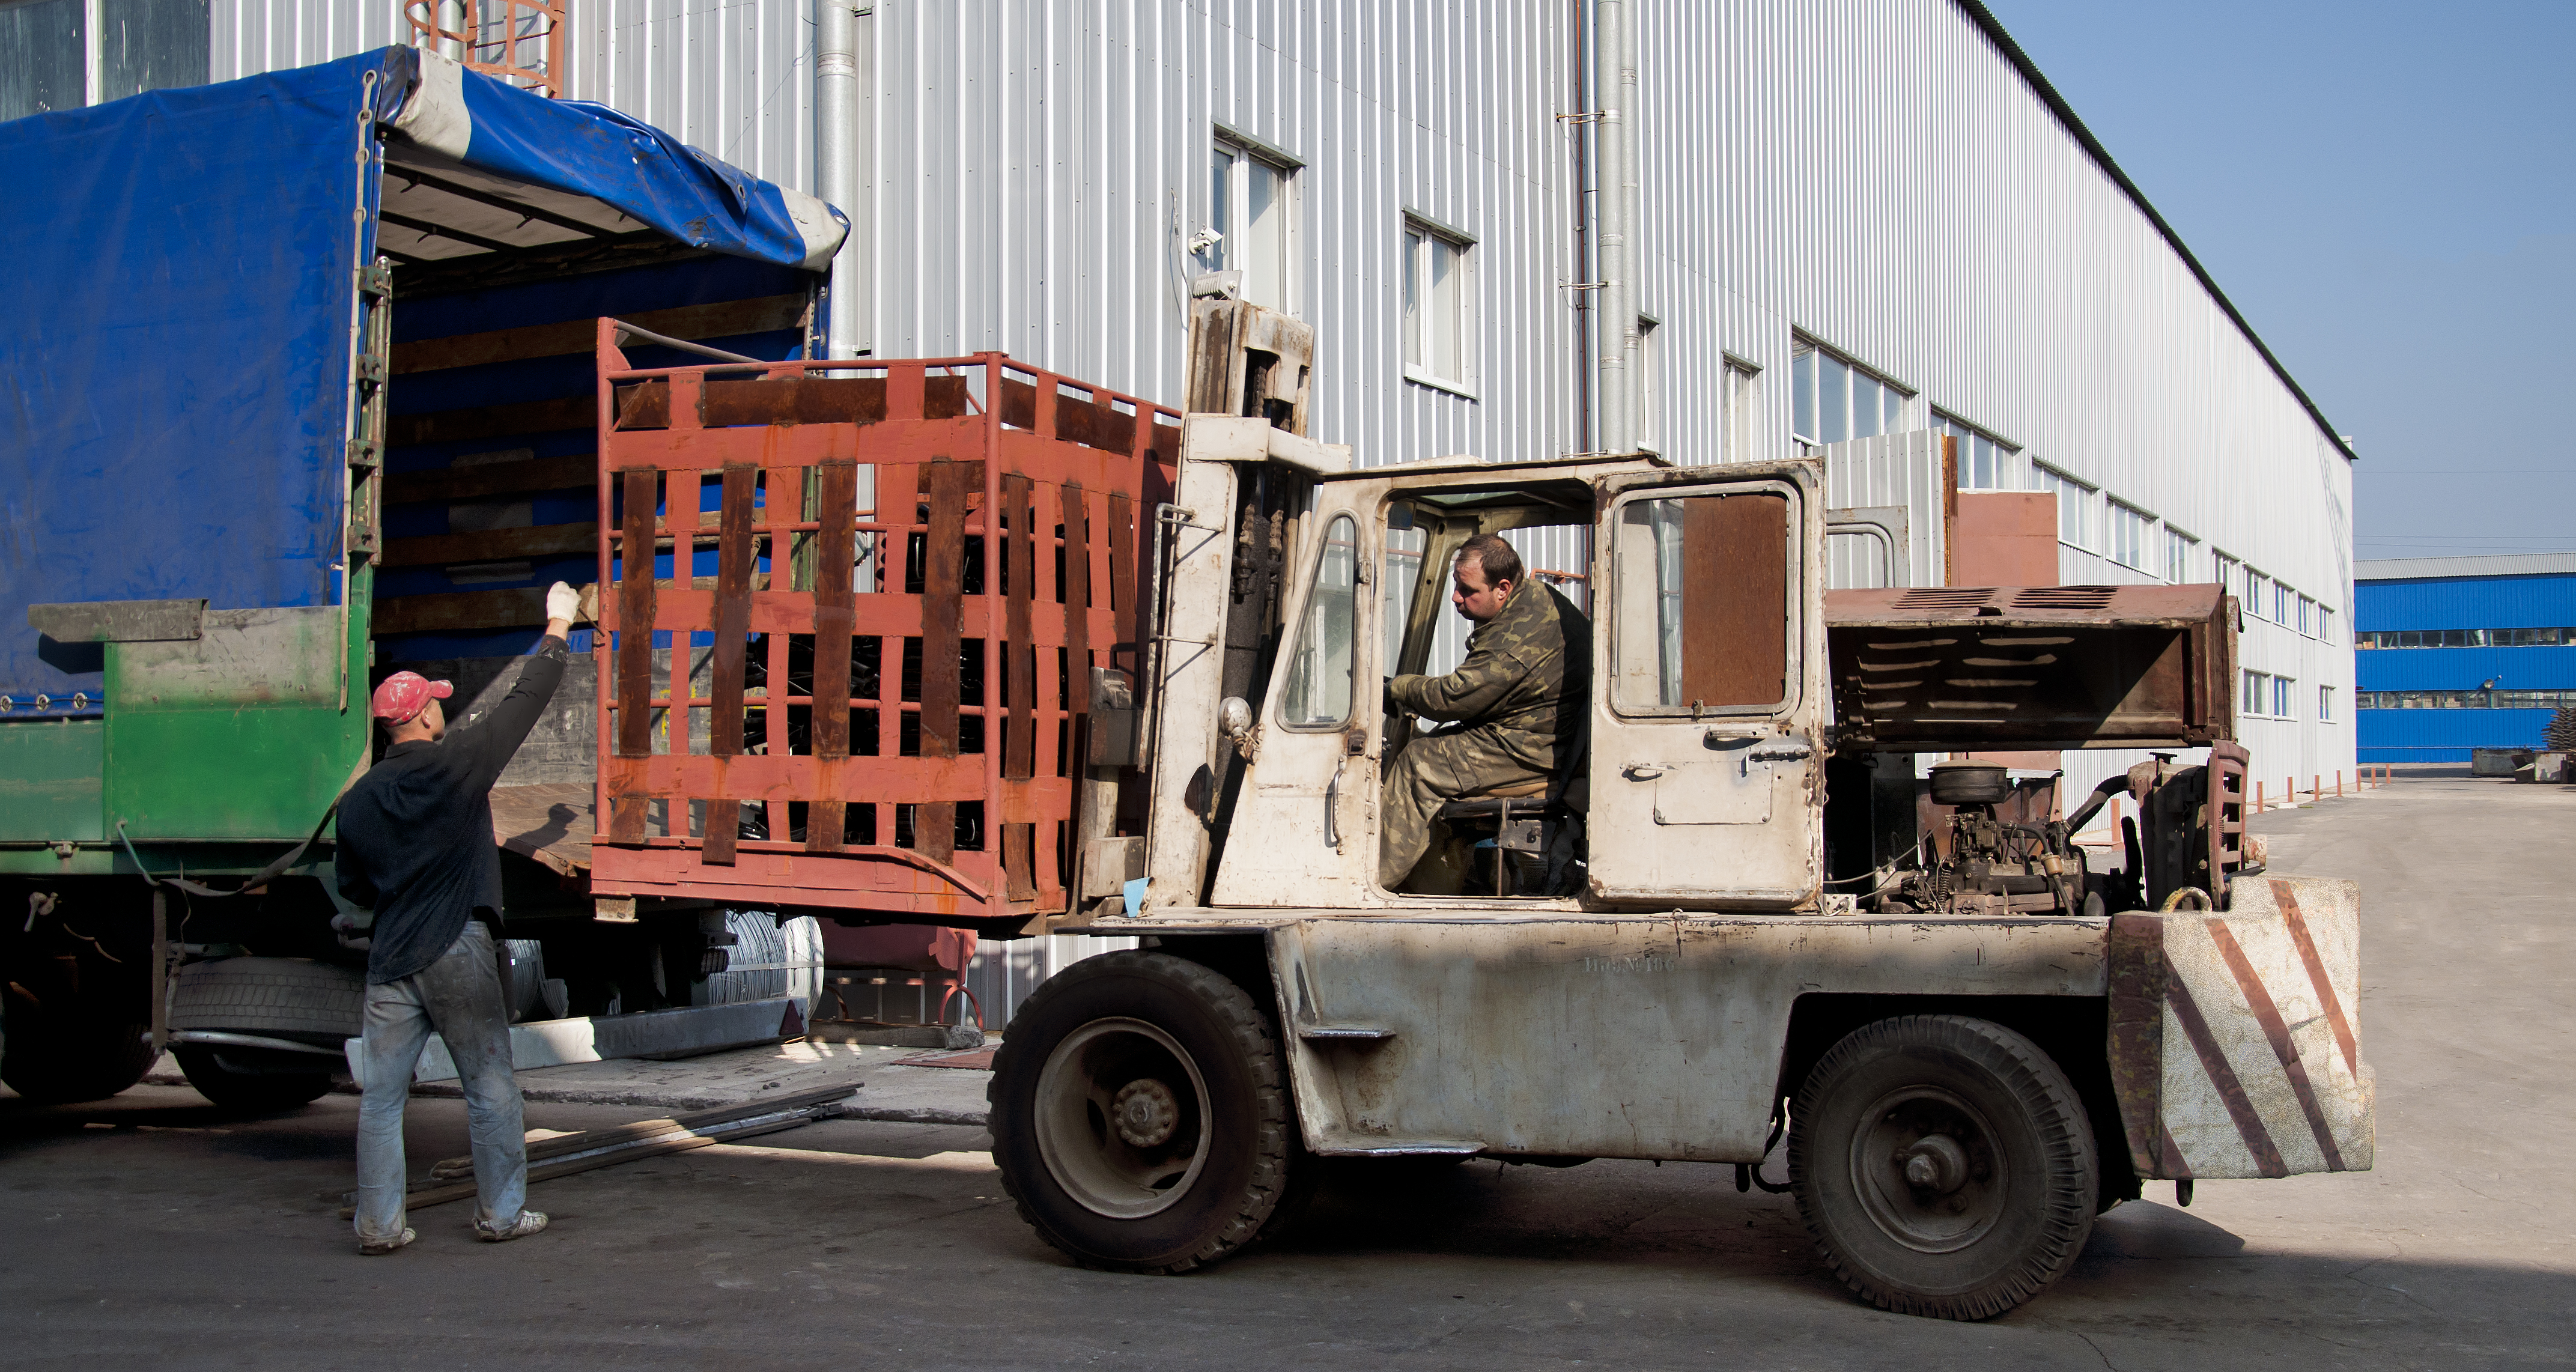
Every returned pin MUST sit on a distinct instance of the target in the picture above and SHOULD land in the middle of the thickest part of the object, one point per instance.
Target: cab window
(1704, 593)
(1318, 695)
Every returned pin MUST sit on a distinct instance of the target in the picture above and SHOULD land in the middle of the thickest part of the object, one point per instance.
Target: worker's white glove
(563, 602)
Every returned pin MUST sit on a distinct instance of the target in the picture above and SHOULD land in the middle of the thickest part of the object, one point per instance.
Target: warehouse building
(1870, 230)
(2459, 653)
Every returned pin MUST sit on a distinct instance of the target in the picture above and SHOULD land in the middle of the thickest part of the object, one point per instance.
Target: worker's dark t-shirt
(416, 831)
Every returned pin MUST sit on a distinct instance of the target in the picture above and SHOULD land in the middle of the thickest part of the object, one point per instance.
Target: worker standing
(415, 843)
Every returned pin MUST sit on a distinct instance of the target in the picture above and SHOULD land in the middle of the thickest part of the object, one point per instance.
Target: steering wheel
(1398, 732)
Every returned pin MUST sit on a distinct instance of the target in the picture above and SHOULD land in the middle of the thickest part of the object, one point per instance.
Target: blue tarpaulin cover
(177, 315)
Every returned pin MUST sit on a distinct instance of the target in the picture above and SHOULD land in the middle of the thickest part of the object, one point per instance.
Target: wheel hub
(1121, 1118)
(1146, 1112)
(1929, 1169)
(1935, 1164)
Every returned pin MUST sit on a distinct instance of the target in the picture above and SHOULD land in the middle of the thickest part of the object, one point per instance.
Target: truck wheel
(233, 1086)
(316, 1002)
(1140, 1115)
(1943, 1165)
(57, 1061)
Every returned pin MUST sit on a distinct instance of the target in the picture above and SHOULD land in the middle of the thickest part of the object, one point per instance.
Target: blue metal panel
(174, 350)
(2445, 735)
(2502, 602)
(175, 334)
(2458, 669)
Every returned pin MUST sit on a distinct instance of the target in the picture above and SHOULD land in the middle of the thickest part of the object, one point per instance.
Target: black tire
(313, 1002)
(234, 1085)
(1943, 1165)
(1140, 1114)
(56, 1061)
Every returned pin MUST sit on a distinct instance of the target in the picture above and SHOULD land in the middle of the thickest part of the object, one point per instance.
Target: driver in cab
(1517, 703)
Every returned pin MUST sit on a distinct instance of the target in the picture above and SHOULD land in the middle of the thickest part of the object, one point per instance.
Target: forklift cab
(1699, 782)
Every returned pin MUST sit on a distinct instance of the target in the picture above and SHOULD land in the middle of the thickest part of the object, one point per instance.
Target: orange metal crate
(963, 658)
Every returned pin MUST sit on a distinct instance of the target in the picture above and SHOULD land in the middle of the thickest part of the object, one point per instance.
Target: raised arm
(489, 743)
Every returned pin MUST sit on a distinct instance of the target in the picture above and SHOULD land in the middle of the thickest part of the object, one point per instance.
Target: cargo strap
(264, 876)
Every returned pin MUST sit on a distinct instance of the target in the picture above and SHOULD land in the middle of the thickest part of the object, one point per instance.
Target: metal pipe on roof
(836, 166)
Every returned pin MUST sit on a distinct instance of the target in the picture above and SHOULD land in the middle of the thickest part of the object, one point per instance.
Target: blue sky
(2388, 193)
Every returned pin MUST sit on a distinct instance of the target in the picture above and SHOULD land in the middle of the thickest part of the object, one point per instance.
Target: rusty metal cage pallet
(938, 551)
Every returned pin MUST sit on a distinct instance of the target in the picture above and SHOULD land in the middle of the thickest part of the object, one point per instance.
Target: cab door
(1710, 701)
(1304, 830)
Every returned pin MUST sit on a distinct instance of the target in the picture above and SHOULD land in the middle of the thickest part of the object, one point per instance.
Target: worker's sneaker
(528, 1222)
(377, 1248)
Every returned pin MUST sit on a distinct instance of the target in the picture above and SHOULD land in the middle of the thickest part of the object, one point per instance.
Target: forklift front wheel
(1944, 1165)
(1140, 1115)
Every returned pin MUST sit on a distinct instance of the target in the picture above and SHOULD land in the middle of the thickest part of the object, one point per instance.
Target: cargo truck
(244, 482)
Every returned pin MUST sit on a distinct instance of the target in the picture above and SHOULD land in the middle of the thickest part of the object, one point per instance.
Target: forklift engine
(1973, 862)
(1978, 864)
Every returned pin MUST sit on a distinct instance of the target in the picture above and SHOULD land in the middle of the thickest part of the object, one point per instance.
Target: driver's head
(1485, 576)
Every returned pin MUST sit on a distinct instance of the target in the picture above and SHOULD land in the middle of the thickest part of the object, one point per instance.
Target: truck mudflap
(2235, 1035)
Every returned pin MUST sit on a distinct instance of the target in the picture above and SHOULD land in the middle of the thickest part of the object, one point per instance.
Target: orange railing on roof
(518, 41)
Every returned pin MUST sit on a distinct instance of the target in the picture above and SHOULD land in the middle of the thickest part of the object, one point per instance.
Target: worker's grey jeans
(460, 997)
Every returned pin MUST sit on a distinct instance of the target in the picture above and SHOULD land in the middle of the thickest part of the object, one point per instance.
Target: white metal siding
(1871, 173)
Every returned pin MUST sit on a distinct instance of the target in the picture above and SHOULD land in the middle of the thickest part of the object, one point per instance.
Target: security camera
(1201, 242)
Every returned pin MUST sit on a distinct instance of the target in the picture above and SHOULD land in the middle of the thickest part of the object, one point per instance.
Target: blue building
(2455, 653)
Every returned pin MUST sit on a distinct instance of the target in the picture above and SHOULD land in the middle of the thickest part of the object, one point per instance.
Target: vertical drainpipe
(1632, 224)
(1612, 400)
(836, 163)
(1581, 104)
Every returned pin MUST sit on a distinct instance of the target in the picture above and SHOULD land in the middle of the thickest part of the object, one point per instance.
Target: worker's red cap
(405, 694)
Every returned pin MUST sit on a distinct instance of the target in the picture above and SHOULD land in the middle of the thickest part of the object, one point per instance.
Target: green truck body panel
(243, 735)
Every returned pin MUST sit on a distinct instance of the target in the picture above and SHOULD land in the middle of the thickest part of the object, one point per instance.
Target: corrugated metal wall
(2505, 602)
(1872, 174)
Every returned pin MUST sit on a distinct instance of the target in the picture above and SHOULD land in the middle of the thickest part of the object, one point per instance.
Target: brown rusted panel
(456, 611)
(635, 617)
(628, 817)
(1018, 756)
(493, 421)
(942, 596)
(500, 478)
(734, 564)
(1735, 570)
(724, 826)
(797, 400)
(835, 616)
(2136, 1039)
(1076, 683)
(1960, 668)
(1123, 589)
(1019, 861)
(645, 405)
(944, 397)
(1091, 423)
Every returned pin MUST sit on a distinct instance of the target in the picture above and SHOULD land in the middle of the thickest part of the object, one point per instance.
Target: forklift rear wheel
(1140, 1115)
(1943, 1165)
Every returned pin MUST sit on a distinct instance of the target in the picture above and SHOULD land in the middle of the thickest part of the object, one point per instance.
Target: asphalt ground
(149, 1230)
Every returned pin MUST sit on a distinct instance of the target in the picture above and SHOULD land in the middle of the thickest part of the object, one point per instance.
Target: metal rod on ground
(450, 1169)
(591, 1149)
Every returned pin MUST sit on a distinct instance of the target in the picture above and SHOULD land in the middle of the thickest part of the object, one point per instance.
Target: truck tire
(248, 1086)
(312, 1002)
(57, 1060)
(1140, 1114)
(1944, 1166)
